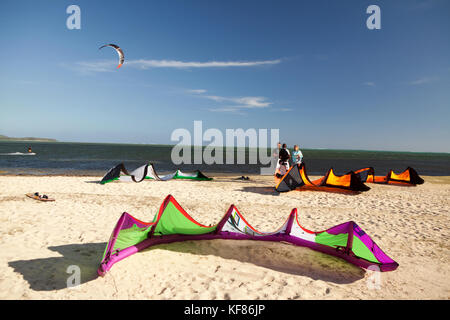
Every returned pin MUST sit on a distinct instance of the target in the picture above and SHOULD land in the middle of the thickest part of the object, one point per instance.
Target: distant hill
(5, 138)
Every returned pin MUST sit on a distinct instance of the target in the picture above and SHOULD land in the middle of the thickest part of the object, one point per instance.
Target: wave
(18, 154)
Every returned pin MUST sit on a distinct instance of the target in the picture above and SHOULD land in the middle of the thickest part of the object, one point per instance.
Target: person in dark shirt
(283, 162)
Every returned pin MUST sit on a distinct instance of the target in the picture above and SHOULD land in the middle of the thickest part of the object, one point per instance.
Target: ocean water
(63, 158)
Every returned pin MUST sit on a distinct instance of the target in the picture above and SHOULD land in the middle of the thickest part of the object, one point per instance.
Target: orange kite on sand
(409, 177)
(297, 179)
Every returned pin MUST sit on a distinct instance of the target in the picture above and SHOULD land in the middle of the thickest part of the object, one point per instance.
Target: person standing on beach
(297, 155)
(283, 162)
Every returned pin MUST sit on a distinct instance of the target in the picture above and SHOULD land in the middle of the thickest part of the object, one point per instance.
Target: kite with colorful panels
(147, 172)
(172, 223)
(409, 177)
(296, 178)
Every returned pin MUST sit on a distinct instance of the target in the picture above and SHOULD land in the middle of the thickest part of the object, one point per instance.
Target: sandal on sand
(37, 196)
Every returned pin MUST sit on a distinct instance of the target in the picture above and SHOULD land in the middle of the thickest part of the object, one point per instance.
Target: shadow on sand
(261, 190)
(279, 257)
(273, 192)
(95, 182)
(51, 273)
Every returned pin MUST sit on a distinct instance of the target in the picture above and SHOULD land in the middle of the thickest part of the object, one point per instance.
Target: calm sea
(56, 158)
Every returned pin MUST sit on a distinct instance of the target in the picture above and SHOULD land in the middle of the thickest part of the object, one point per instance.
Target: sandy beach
(39, 241)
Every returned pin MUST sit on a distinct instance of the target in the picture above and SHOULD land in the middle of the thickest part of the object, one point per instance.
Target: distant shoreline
(26, 139)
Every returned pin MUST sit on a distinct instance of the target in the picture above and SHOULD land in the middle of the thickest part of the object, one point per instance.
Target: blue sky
(309, 68)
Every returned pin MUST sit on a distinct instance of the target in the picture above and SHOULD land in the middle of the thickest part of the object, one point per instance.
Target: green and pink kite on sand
(172, 223)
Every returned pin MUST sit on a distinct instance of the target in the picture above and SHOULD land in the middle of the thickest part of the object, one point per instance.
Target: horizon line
(247, 147)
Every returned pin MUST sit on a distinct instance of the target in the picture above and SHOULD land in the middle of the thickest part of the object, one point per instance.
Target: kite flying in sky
(119, 52)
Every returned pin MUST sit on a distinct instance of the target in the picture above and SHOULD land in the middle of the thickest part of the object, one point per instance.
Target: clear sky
(309, 68)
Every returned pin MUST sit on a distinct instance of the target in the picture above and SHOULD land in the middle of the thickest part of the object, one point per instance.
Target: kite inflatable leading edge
(119, 52)
(347, 240)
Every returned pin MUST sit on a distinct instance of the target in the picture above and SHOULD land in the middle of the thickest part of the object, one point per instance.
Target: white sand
(39, 241)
